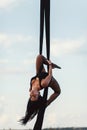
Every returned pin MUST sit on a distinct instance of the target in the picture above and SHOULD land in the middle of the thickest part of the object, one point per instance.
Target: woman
(39, 82)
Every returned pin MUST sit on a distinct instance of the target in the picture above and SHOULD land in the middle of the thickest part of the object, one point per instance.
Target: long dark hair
(33, 107)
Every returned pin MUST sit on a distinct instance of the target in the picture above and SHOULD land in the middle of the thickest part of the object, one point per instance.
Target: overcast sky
(19, 46)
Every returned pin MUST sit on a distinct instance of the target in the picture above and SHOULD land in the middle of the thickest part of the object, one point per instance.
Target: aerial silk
(44, 13)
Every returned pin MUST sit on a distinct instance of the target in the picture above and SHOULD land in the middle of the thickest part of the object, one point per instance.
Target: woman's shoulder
(33, 78)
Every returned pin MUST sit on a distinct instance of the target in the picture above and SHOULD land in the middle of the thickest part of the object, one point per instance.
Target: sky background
(19, 46)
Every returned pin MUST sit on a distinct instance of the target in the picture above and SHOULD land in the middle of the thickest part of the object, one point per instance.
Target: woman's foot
(55, 66)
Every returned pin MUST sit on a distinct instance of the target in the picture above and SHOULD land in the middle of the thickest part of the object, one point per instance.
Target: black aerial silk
(44, 13)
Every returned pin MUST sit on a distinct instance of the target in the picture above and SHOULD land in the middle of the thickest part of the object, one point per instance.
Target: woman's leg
(56, 88)
(40, 60)
(55, 85)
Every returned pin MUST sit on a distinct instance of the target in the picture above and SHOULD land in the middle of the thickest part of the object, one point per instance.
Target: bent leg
(55, 85)
(56, 88)
(40, 60)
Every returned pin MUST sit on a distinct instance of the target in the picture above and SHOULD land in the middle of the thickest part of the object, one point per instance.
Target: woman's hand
(49, 62)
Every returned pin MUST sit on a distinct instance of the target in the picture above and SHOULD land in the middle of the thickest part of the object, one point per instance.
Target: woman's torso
(35, 91)
(36, 86)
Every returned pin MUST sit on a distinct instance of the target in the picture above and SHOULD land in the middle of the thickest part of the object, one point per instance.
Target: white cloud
(75, 120)
(3, 117)
(11, 70)
(4, 111)
(8, 3)
(27, 61)
(5, 3)
(61, 47)
(4, 61)
(52, 118)
(16, 67)
(8, 44)
(2, 98)
(6, 40)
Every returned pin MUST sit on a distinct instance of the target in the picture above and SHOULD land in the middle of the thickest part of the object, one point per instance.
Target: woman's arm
(45, 82)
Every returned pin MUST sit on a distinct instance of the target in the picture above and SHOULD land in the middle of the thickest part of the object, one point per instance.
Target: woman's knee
(39, 57)
(58, 91)
(56, 86)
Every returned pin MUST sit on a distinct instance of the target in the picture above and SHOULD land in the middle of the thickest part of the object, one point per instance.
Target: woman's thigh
(55, 85)
(39, 64)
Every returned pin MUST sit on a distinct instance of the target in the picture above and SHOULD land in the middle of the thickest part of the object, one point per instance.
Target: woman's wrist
(49, 62)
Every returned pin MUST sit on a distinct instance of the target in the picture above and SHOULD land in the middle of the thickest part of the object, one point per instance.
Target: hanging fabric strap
(44, 13)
